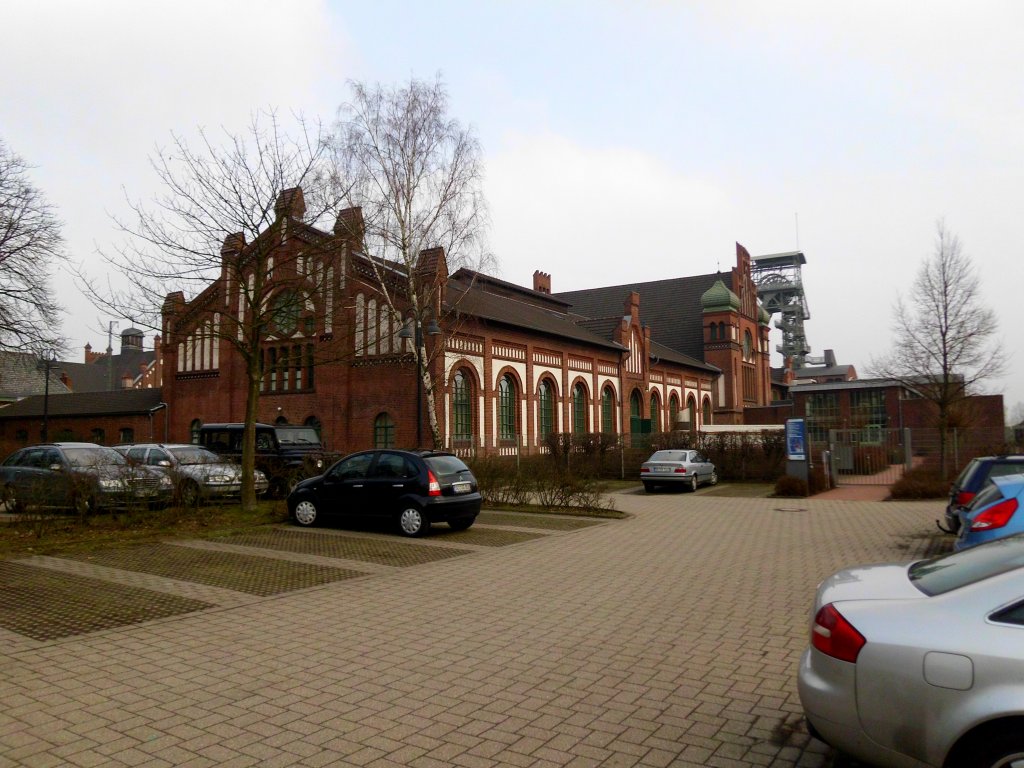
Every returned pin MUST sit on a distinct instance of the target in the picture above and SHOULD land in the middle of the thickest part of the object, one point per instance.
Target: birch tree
(417, 175)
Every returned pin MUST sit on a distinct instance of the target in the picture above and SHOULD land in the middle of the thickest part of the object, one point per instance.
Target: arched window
(721, 332)
(691, 405)
(98, 436)
(748, 347)
(545, 410)
(193, 431)
(607, 410)
(314, 422)
(655, 412)
(636, 405)
(706, 416)
(673, 411)
(507, 408)
(714, 332)
(462, 411)
(579, 408)
(383, 431)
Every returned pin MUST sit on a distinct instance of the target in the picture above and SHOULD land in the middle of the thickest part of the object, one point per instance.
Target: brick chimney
(349, 225)
(541, 282)
(290, 204)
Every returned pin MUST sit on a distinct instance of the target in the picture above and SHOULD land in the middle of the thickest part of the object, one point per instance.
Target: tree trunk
(252, 401)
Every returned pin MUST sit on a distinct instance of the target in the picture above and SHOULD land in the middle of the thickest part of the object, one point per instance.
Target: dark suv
(411, 488)
(975, 476)
(284, 453)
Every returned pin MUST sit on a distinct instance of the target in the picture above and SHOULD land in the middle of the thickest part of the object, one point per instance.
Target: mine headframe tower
(780, 287)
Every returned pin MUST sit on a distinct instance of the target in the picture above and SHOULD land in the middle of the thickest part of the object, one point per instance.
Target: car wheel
(305, 513)
(461, 524)
(649, 487)
(1002, 750)
(189, 494)
(9, 500)
(412, 522)
(713, 480)
(85, 505)
(693, 484)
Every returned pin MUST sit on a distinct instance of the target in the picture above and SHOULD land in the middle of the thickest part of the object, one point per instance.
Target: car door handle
(360, 485)
(398, 485)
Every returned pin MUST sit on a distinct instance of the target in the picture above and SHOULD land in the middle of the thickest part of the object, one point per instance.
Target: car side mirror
(163, 463)
(56, 467)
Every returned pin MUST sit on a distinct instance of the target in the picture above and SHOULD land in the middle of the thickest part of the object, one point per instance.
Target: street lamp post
(49, 358)
(413, 329)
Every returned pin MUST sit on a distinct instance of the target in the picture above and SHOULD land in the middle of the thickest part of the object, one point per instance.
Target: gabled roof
(118, 403)
(671, 308)
(661, 352)
(104, 374)
(22, 375)
(474, 299)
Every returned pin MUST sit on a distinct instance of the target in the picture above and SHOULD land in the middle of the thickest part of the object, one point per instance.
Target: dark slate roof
(477, 300)
(670, 307)
(813, 372)
(22, 376)
(118, 403)
(661, 352)
(96, 376)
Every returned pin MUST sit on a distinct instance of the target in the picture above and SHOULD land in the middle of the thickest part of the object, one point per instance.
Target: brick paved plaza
(666, 639)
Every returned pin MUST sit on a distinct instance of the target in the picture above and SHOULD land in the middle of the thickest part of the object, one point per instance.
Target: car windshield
(297, 436)
(191, 455)
(445, 465)
(94, 457)
(668, 456)
(968, 566)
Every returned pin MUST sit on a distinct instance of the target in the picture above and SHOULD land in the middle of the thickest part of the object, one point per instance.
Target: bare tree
(216, 227)
(944, 345)
(30, 247)
(417, 175)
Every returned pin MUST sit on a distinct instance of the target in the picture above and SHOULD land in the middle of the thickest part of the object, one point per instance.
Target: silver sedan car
(921, 664)
(677, 468)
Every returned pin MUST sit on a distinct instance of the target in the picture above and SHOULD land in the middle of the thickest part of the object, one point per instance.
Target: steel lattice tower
(781, 290)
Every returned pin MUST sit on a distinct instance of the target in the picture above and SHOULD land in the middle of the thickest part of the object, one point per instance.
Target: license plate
(462, 487)
(663, 469)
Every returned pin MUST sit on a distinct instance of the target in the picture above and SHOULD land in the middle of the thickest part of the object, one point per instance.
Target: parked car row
(81, 476)
(922, 664)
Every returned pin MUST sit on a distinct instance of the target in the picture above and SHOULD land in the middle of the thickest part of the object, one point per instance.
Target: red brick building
(510, 363)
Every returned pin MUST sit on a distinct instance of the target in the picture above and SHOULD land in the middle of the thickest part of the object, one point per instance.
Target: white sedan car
(921, 664)
(677, 468)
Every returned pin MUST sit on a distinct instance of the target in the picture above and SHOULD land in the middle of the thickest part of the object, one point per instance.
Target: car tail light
(680, 470)
(644, 469)
(834, 636)
(963, 498)
(995, 517)
(433, 487)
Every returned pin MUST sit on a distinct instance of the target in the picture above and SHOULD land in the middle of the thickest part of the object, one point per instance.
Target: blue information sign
(796, 440)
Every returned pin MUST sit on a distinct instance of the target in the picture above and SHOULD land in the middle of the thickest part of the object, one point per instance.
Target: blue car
(993, 514)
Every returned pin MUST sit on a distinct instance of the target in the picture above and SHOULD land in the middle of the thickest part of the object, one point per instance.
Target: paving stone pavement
(666, 639)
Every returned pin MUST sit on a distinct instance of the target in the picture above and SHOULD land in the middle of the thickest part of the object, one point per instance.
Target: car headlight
(112, 484)
(258, 476)
(165, 482)
(223, 479)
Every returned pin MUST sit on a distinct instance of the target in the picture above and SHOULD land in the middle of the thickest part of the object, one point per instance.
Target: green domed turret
(764, 317)
(718, 298)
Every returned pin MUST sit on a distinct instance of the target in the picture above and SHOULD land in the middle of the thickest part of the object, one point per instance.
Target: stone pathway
(666, 639)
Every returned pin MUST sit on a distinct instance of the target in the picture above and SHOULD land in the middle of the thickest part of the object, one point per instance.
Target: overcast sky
(622, 141)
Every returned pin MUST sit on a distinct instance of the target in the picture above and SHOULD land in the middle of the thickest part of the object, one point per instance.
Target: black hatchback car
(414, 489)
(975, 476)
